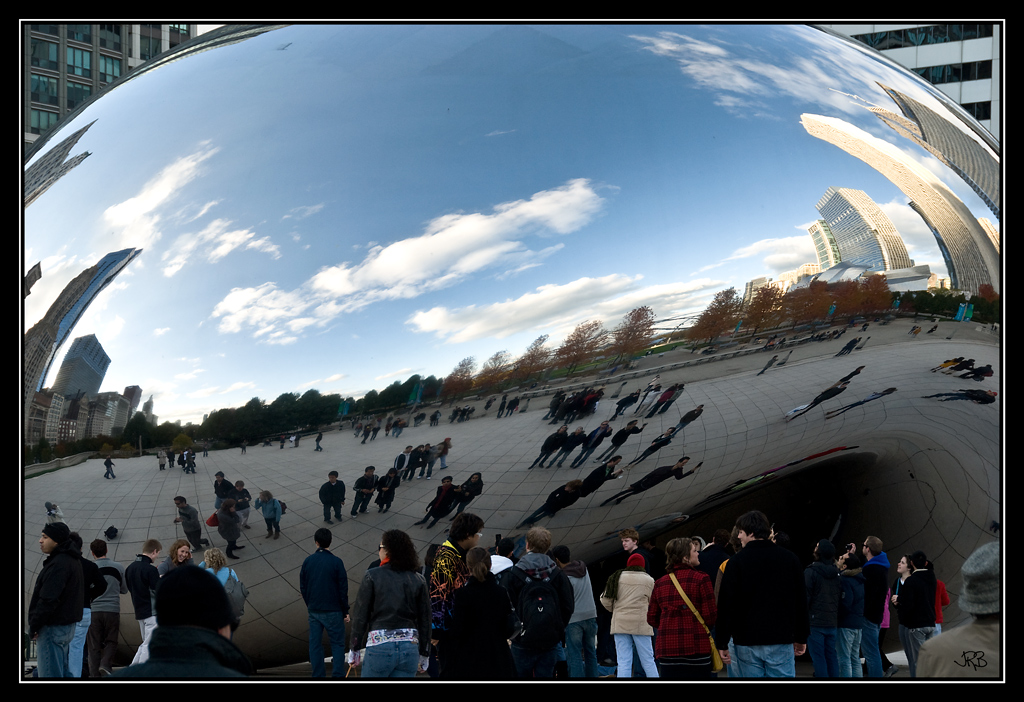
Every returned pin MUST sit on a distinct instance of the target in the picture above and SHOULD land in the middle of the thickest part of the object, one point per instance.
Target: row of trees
(584, 344)
(819, 301)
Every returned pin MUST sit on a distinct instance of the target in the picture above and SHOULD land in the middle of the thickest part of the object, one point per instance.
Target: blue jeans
(581, 648)
(397, 659)
(75, 653)
(768, 661)
(334, 622)
(848, 649)
(52, 646)
(532, 663)
(821, 644)
(869, 647)
(624, 646)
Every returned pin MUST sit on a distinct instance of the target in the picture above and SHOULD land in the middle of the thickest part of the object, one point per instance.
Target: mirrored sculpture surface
(337, 206)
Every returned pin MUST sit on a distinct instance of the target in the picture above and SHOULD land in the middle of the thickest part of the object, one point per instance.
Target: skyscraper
(825, 245)
(83, 368)
(47, 335)
(862, 232)
(970, 256)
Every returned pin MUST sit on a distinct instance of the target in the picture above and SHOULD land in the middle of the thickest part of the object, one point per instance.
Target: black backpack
(110, 533)
(539, 612)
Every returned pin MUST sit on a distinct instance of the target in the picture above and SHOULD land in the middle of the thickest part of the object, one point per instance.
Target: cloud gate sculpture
(305, 201)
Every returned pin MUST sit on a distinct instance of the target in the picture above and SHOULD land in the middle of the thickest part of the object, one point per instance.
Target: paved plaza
(936, 481)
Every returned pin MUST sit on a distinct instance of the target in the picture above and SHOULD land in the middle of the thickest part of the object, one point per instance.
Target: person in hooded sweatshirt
(581, 632)
(851, 615)
(915, 606)
(821, 579)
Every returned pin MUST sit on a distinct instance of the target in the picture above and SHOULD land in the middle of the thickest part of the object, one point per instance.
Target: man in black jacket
(363, 490)
(332, 496)
(762, 605)
(551, 444)
(56, 604)
(823, 592)
(876, 584)
(141, 577)
(559, 499)
(915, 606)
(620, 437)
(94, 585)
(656, 476)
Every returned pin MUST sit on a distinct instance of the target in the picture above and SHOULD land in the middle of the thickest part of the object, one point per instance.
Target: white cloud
(161, 331)
(136, 221)
(452, 248)
(777, 254)
(191, 375)
(213, 242)
(498, 132)
(303, 212)
(395, 374)
(557, 308)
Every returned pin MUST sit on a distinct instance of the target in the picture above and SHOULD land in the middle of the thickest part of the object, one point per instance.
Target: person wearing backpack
(272, 510)
(215, 563)
(544, 600)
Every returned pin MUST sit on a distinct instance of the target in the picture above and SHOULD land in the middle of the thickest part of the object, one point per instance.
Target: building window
(148, 47)
(110, 36)
(110, 69)
(79, 63)
(44, 54)
(954, 73)
(919, 36)
(51, 29)
(979, 110)
(77, 94)
(80, 32)
(42, 121)
(44, 90)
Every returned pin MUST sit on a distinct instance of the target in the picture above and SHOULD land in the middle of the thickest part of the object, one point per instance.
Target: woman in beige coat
(627, 595)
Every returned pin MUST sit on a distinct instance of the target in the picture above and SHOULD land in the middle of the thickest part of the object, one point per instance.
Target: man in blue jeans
(324, 587)
(57, 601)
(581, 632)
(762, 605)
(876, 585)
(537, 579)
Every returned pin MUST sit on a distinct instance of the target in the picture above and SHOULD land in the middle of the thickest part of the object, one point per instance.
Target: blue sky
(340, 207)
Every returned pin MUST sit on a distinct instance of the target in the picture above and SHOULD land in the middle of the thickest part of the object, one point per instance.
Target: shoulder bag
(716, 658)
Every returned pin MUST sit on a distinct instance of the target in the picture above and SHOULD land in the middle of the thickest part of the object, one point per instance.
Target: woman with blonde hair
(179, 555)
(480, 625)
(627, 595)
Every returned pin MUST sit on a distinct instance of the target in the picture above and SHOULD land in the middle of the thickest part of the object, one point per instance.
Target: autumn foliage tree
(634, 333)
(807, 304)
(719, 317)
(535, 359)
(494, 372)
(581, 345)
(460, 380)
(764, 310)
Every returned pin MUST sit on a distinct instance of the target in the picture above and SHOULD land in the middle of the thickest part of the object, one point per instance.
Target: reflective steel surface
(341, 206)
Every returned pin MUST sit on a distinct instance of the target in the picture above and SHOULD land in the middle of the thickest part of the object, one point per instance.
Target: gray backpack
(237, 593)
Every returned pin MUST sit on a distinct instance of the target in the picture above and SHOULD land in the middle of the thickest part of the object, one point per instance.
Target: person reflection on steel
(655, 477)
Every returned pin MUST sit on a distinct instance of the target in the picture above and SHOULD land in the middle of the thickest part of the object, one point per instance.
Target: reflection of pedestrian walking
(656, 476)
(689, 417)
(110, 468)
(770, 363)
(849, 347)
(559, 499)
(783, 361)
(826, 395)
(656, 445)
(981, 397)
(319, 438)
(873, 396)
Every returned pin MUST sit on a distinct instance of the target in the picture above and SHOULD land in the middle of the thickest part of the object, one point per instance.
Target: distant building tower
(825, 245)
(45, 338)
(147, 410)
(752, 287)
(970, 256)
(133, 393)
(83, 368)
(862, 231)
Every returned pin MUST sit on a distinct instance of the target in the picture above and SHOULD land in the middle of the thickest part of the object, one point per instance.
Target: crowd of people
(743, 602)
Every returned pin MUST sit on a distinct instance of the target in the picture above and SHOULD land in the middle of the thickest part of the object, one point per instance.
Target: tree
(765, 309)
(494, 371)
(581, 345)
(807, 304)
(534, 359)
(460, 380)
(181, 442)
(875, 294)
(719, 317)
(137, 427)
(634, 333)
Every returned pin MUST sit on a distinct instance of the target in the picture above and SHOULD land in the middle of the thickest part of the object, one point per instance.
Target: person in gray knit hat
(970, 650)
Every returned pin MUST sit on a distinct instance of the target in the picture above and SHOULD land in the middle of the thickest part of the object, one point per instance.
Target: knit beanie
(635, 560)
(980, 574)
(190, 596)
(58, 531)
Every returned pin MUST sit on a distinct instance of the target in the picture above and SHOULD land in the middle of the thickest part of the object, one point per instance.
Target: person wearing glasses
(391, 616)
